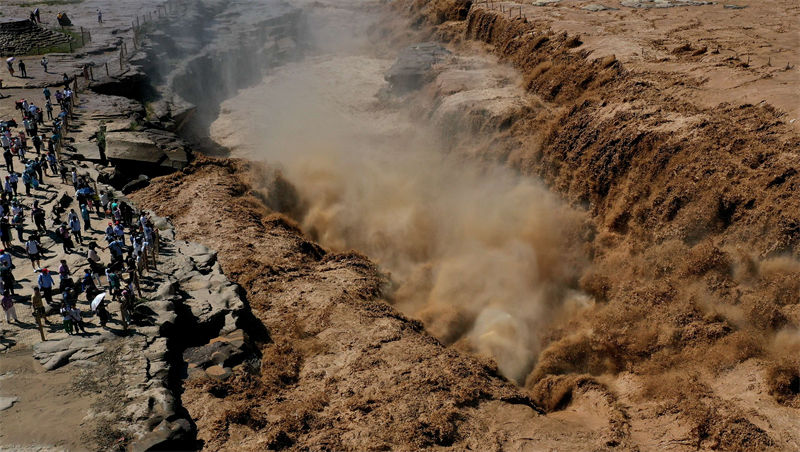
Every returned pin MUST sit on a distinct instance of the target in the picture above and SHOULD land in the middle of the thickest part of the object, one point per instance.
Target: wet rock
(173, 112)
(215, 353)
(414, 66)
(167, 436)
(132, 84)
(136, 184)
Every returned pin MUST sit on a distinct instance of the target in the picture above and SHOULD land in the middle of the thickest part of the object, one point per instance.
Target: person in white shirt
(75, 227)
(33, 252)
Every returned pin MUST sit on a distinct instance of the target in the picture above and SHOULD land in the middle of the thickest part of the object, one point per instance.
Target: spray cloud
(481, 255)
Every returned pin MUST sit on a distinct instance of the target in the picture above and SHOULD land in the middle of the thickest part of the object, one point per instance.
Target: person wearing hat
(119, 232)
(110, 233)
(46, 283)
(5, 259)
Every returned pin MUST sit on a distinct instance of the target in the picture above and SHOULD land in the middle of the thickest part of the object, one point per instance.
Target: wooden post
(121, 52)
(107, 73)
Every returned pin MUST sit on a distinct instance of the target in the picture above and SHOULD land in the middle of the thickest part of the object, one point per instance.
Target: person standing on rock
(66, 239)
(46, 92)
(66, 318)
(77, 319)
(99, 16)
(52, 162)
(18, 221)
(33, 252)
(37, 143)
(22, 72)
(110, 233)
(5, 232)
(75, 226)
(113, 283)
(8, 307)
(10, 65)
(102, 313)
(38, 214)
(5, 259)
(7, 277)
(37, 306)
(87, 219)
(5, 141)
(13, 179)
(119, 232)
(46, 283)
(44, 62)
(8, 157)
(88, 285)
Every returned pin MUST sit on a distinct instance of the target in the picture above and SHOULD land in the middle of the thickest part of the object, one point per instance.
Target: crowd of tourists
(31, 156)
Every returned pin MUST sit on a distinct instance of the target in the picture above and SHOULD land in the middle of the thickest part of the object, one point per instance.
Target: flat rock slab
(133, 146)
(148, 147)
(7, 402)
(647, 4)
(594, 7)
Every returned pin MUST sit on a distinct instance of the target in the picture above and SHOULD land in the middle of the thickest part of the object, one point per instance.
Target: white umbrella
(97, 300)
(9, 60)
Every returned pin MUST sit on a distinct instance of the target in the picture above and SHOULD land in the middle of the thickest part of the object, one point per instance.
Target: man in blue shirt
(46, 282)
